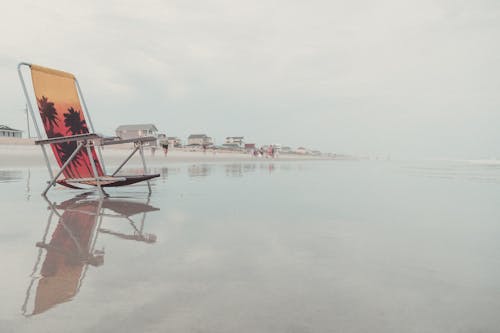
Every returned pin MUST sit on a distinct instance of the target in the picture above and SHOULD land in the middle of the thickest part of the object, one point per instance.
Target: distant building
(199, 140)
(162, 139)
(238, 140)
(231, 146)
(139, 130)
(6, 131)
(277, 147)
(174, 141)
(301, 150)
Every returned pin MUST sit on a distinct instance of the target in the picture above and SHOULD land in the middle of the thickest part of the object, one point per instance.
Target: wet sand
(266, 246)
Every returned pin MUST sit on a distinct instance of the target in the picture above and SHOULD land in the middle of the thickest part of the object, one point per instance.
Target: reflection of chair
(125, 209)
(58, 96)
(71, 248)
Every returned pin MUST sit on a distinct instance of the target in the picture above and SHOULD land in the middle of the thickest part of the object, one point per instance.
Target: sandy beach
(23, 153)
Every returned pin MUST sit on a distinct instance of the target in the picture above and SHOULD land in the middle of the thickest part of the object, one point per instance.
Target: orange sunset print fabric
(62, 115)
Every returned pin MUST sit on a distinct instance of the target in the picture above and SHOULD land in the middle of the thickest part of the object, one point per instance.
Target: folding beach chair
(68, 132)
(58, 275)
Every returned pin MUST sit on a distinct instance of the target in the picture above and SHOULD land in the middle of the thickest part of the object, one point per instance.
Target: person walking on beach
(165, 148)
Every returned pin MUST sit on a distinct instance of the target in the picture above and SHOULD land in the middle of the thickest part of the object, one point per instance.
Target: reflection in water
(71, 248)
(239, 169)
(234, 170)
(200, 170)
(249, 168)
(14, 176)
(230, 169)
(270, 167)
(313, 246)
(28, 187)
(478, 172)
(10, 175)
(165, 172)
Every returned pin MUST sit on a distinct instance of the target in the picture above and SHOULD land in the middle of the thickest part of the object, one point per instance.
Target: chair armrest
(117, 140)
(59, 139)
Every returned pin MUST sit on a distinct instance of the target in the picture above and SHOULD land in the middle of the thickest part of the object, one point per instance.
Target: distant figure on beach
(270, 151)
(165, 148)
(204, 148)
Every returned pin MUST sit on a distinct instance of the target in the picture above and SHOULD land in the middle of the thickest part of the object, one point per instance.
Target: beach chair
(70, 133)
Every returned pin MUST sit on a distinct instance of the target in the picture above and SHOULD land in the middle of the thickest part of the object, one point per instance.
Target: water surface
(257, 247)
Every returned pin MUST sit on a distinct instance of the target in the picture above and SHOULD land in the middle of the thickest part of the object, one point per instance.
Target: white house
(200, 140)
(235, 140)
(6, 131)
(174, 141)
(301, 151)
(138, 130)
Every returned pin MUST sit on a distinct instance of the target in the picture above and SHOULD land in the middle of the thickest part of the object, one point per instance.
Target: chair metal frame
(83, 140)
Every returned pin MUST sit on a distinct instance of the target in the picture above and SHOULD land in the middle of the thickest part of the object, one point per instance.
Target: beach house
(174, 141)
(199, 140)
(137, 130)
(7, 132)
(301, 151)
(234, 140)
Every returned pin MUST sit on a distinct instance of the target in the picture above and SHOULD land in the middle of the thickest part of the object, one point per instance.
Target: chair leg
(145, 168)
(94, 170)
(65, 165)
(125, 161)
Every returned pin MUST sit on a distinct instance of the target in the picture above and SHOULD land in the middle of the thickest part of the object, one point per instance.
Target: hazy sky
(406, 78)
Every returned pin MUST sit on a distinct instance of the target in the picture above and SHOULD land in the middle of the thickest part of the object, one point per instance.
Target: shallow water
(257, 247)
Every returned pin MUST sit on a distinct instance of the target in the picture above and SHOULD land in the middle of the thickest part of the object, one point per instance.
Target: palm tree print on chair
(65, 149)
(74, 123)
(48, 113)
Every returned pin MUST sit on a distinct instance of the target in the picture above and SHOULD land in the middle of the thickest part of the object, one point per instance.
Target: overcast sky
(408, 78)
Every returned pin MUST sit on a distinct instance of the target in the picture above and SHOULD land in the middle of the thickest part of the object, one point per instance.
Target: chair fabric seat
(107, 181)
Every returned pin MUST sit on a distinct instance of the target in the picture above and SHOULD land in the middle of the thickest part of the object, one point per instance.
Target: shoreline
(27, 154)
